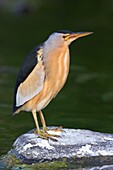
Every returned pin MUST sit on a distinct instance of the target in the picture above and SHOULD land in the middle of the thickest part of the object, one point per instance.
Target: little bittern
(43, 74)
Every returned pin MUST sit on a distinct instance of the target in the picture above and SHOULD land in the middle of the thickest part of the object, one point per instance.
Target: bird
(42, 75)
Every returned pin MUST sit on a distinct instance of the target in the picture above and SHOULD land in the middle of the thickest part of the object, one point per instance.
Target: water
(86, 101)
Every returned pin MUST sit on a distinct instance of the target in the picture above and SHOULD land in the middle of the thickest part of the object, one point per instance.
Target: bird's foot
(46, 135)
(52, 134)
(57, 129)
(55, 132)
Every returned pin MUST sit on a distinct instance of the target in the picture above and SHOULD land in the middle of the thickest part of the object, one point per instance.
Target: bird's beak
(74, 36)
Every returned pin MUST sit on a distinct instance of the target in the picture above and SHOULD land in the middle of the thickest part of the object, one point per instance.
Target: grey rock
(78, 148)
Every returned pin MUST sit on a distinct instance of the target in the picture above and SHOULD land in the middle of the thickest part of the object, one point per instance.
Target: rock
(74, 149)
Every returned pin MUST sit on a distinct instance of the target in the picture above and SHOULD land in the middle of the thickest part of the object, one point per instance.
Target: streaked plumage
(43, 74)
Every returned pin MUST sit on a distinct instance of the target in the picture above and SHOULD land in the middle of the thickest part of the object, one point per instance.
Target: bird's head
(69, 36)
(65, 37)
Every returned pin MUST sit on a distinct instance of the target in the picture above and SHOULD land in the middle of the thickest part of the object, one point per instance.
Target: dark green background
(86, 101)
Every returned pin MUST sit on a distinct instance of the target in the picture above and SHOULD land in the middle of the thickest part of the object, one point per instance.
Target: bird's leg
(36, 121)
(45, 130)
(38, 131)
(42, 120)
(42, 133)
(57, 129)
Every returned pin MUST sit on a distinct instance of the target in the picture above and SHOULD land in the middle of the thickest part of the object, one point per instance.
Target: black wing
(26, 68)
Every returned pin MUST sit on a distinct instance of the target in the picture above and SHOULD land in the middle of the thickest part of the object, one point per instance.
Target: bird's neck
(57, 68)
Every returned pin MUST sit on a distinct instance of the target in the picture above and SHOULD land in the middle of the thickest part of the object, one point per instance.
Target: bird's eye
(65, 36)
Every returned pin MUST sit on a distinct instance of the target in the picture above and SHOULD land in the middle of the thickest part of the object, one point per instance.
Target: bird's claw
(45, 135)
(58, 129)
(52, 134)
